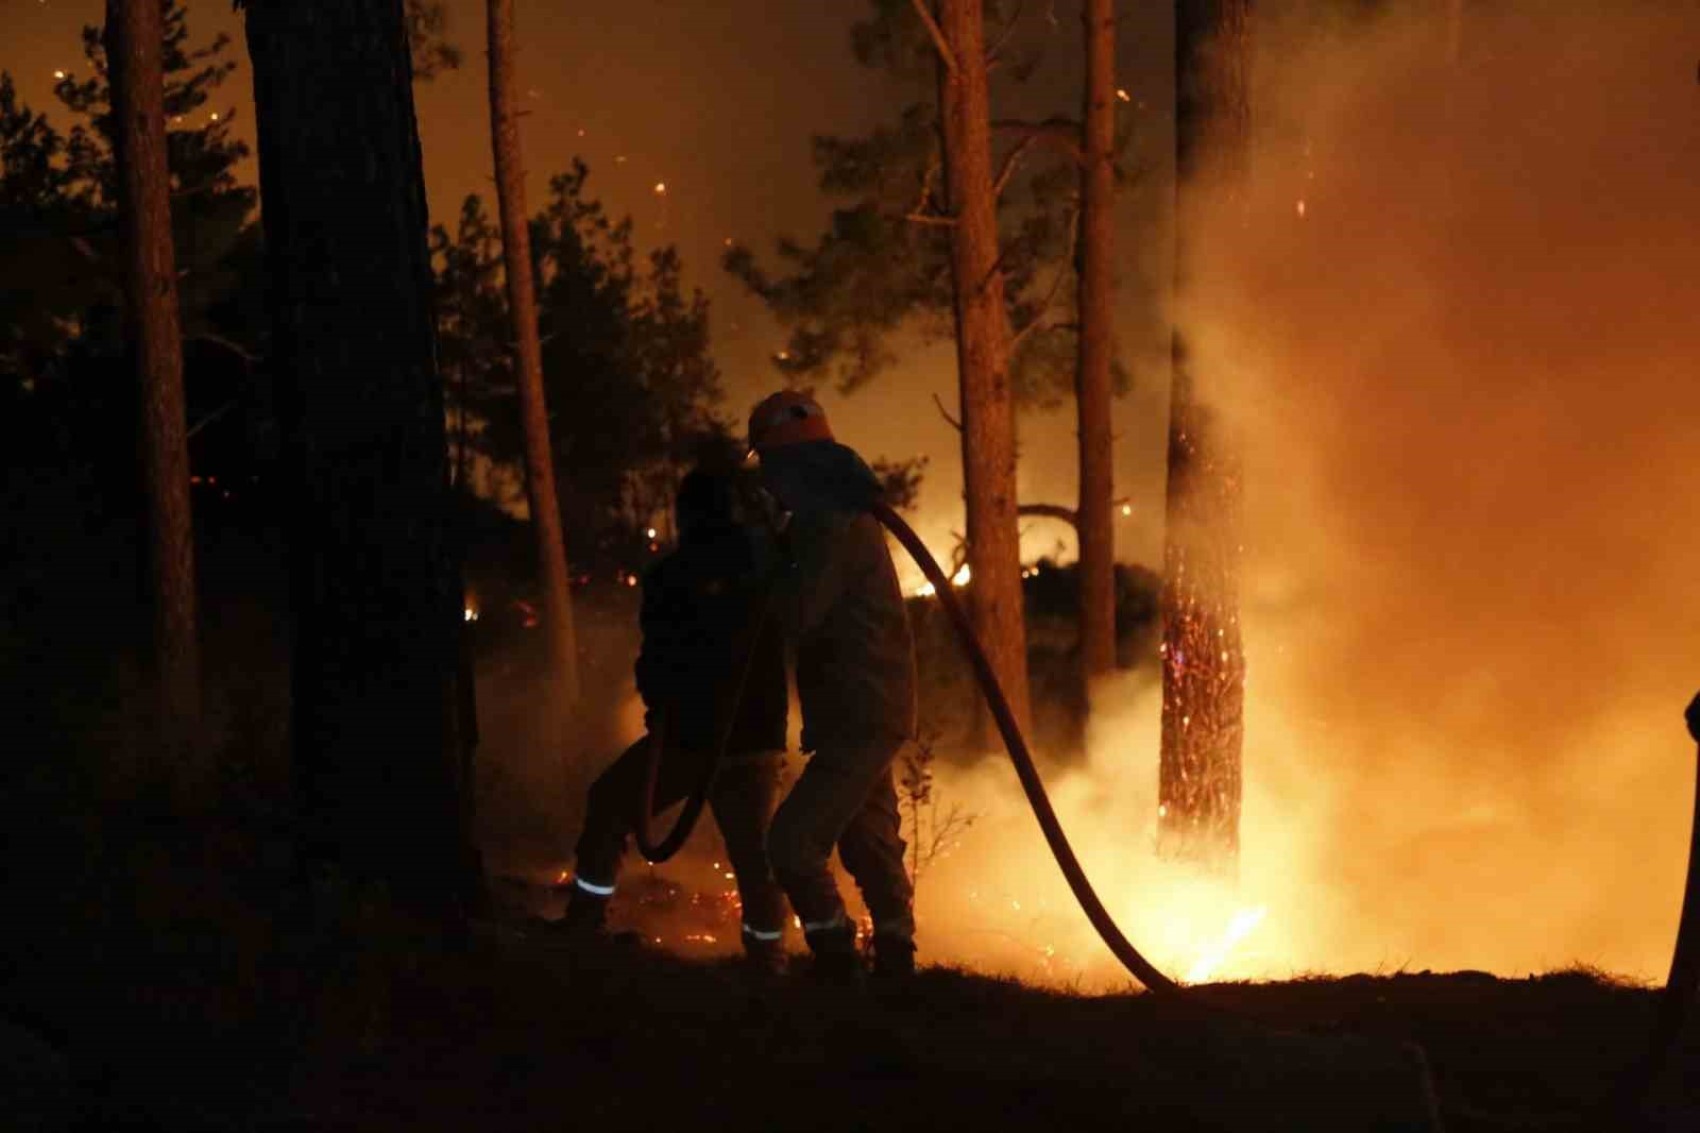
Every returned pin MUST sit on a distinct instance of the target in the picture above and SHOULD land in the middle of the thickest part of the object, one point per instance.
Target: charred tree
(135, 34)
(1203, 660)
(982, 344)
(375, 578)
(528, 354)
(1093, 387)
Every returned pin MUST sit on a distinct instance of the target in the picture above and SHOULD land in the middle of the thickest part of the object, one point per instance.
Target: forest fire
(1373, 377)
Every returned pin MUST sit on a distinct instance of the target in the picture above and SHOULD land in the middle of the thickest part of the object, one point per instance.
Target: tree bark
(1092, 387)
(528, 354)
(982, 352)
(1203, 660)
(135, 51)
(375, 578)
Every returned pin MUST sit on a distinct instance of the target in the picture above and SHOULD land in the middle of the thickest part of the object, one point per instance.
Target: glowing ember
(470, 614)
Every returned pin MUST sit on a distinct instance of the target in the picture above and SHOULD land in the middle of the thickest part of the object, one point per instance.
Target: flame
(959, 579)
(1244, 923)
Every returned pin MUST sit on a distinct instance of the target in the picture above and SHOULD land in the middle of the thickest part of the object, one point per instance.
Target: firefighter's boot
(835, 959)
(894, 957)
(764, 955)
(585, 923)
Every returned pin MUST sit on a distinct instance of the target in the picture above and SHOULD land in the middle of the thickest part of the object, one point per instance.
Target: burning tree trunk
(522, 306)
(1203, 662)
(376, 591)
(982, 344)
(1095, 515)
(135, 53)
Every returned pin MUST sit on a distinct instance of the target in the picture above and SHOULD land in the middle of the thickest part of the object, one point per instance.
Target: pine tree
(528, 353)
(380, 732)
(627, 369)
(889, 259)
(210, 208)
(1095, 515)
(42, 284)
(137, 123)
(983, 347)
(1203, 659)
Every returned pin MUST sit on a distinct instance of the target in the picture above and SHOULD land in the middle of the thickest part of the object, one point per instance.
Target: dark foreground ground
(175, 996)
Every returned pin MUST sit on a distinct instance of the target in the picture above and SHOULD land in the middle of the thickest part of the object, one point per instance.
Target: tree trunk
(982, 352)
(1203, 661)
(375, 580)
(522, 305)
(135, 50)
(1096, 522)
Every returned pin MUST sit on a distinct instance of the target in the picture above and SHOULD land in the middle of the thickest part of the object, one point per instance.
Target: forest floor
(162, 988)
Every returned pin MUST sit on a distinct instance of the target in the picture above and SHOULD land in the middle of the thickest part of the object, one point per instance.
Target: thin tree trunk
(982, 352)
(376, 588)
(135, 51)
(1096, 523)
(522, 305)
(1203, 660)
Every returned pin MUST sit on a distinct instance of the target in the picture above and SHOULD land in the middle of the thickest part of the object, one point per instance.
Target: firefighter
(842, 609)
(699, 602)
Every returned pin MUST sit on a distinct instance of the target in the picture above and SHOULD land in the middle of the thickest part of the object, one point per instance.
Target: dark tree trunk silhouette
(135, 34)
(1092, 387)
(528, 355)
(1203, 662)
(982, 345)
(376, 592)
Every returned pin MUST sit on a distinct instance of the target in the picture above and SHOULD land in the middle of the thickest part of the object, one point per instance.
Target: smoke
(1452, 315)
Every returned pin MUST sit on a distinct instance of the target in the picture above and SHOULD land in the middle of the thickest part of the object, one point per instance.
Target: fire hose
(1675, 1001)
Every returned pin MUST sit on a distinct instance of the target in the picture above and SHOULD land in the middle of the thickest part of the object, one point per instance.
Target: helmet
(788, 417)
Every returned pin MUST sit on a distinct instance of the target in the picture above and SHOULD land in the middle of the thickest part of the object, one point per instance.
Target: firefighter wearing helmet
(841, 609)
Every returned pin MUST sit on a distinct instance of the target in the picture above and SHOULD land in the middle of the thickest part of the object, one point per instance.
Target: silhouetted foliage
(631, 387)
(428, 39)
(882, 266)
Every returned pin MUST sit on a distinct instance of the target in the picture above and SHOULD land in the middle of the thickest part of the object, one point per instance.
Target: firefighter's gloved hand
(1694, 718)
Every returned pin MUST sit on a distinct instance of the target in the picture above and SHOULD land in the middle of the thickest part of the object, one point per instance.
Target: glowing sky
(718, 102)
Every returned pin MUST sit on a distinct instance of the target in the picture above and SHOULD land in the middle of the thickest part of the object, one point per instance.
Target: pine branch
(1010, 162)
(939, 42)
(1060, 133)
(945, 413)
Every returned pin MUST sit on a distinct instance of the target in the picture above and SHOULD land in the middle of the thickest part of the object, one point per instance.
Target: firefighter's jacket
(840, 601)
(698, 623)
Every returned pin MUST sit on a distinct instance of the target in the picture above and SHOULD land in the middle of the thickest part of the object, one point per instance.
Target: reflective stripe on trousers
(592, 888)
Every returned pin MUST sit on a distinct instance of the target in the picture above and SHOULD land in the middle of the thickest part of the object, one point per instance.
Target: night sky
(718, 102)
